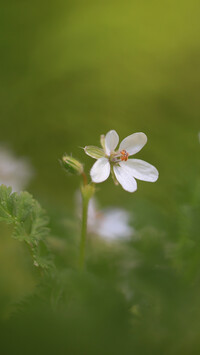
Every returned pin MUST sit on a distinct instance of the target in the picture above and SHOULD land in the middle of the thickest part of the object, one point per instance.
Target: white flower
(14, 172)
(110, 223)
(123, 169)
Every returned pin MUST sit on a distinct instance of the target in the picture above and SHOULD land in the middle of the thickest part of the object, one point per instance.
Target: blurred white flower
(110, 223)
(14, 172)
(124, 170)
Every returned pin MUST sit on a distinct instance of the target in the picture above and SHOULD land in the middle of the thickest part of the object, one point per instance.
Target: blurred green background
(70, 71)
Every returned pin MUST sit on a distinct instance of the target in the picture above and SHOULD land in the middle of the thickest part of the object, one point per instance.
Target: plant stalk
(85, 202)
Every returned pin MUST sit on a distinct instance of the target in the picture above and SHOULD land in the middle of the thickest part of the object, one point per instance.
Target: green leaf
(6, 204)
(30, 223)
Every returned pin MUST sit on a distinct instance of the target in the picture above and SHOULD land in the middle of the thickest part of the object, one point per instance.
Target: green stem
(85, 202)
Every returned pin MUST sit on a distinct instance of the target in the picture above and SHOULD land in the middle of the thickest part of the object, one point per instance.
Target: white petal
(111, 141)
(133, 143)
(140, 169)
(100, 170)
(125, 179)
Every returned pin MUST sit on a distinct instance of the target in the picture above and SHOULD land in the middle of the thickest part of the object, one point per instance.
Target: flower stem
(87, 191)
(85, 202)
(84, 176)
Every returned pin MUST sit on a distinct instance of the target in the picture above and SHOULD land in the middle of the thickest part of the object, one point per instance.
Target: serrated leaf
(29, 219)
(6, 204)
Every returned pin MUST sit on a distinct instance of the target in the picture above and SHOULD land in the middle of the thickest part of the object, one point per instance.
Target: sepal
(94, 152)
(102, 141)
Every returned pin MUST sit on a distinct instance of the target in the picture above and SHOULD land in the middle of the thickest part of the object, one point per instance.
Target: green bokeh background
(72, 70)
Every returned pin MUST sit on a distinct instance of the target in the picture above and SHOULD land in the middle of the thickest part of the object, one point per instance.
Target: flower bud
(72, 165)
(94, 152)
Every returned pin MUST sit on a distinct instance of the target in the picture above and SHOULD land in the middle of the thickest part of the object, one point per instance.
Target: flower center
(124, 155)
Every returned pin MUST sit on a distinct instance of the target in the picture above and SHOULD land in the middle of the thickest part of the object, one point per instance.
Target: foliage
(135, 296)
(29, 221)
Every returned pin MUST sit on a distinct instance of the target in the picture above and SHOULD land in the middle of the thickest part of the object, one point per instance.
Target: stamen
(124, 155)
